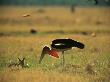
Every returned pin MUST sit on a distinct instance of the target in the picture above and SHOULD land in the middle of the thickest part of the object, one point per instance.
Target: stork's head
(47, 50)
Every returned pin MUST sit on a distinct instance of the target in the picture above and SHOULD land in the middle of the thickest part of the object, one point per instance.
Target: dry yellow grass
(57, 18)
(17, 41)
(38, 76)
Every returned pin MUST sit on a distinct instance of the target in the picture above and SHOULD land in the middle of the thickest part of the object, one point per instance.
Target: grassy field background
(92, 64)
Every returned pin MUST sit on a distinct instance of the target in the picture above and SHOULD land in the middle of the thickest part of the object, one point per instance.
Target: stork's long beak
(41, 57)
(53, 53)
(44, 51)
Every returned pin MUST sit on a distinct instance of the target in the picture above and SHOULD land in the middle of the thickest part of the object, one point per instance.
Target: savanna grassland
(90, 26)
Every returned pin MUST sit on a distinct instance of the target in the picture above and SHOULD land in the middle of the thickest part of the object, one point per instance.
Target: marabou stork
(60, 45)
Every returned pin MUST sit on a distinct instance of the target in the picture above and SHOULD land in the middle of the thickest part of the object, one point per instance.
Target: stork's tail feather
(78, 44)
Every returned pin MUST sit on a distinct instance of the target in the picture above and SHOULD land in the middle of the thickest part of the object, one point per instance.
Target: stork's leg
(63, 58)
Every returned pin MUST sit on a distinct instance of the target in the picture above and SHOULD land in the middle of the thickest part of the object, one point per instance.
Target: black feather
(66, 43)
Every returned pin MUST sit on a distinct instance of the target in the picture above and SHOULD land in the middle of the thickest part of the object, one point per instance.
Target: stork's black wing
(66, 43)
